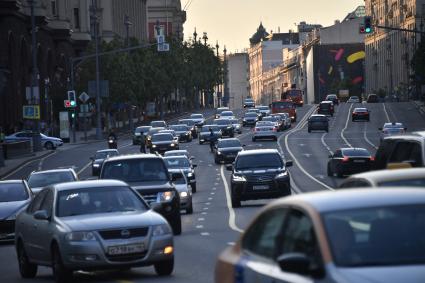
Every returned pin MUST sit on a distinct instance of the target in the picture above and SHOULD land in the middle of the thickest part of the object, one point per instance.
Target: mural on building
(340, 68)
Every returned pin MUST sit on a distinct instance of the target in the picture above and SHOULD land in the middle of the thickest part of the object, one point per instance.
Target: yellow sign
(31, 112)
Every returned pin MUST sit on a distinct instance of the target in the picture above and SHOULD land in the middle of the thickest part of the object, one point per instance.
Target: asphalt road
(214, 225)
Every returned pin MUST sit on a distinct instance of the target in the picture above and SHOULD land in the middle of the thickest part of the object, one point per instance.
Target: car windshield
(228, 143)
(158, 124)
(360, 110)
(251, 114)
(142, 129)
(253, 161)
(179, 179)
(173, 163)
(105, 154)
(227, 113)
(414, 182)
(356, 152)
(179, 128)
(162, 137)
(380, 236)
(97, 200)
(187, 122)
(396, 126)
(207, 129)
(222, 122)
(154, 131)
(176, 153)
(270, 119)
(135, 170)
(197, 116)
(264, 124)
(10, 192)
(318, 118)
(39, 180)
(263, 107)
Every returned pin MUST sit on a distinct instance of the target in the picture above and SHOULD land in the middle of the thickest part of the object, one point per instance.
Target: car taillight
(274, 130)
(372, 158)
(345, 159)
(354, 113)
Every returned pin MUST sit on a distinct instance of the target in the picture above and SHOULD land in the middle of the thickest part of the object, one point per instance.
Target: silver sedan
(264, 130)
(91, 225)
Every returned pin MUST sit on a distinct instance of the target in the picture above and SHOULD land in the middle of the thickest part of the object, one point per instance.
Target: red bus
(294, 95)
(285, 106)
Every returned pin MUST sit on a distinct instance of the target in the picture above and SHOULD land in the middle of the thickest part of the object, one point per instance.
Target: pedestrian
(142, 144)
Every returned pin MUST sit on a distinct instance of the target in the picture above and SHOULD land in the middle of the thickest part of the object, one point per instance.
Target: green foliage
(418, 62)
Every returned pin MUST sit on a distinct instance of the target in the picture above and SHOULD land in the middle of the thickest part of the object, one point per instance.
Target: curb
(420, 107)
(23, 163)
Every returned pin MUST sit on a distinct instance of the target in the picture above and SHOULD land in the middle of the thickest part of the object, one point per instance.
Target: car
(401, 151)
(353, 99)
(227, 115)
(347, 161)
(162, 142)
(391, 129)
(99, 157)
(192, 125)
(372, 98)
(180, 152)
(46, 141)
(333, 98)
(140, 133)
(198, 118)
(318, 122)
(264, 110)
(149, 135)
(159, 124)
(360, 114)
(281, 120)
(237, 127)
(259, 174)
(414, 177)
(226, 150)
(287, 121)
(91, 225)
(182, 186)
(264, 130)
(183, 163)
(37, 180)
(170, 131)
(350, 236)
(219, 110)
(250, 119)
(148, 175)
(326, 108)
(255, 110)
(15, 195)
(205, 134)
(225, 126)
(248, 103)
(183, 132)
(274, 119)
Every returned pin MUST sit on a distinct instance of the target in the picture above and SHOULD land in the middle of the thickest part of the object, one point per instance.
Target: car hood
(390, 274)
(182, 132)
(230, 149)
(7, 209)
(156, 186)
(163, 143)
(250, 118)
(105, 221)
(182, 188)
(51, 139)
(175, 170)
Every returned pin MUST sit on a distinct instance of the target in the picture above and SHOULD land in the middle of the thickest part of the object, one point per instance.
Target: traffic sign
(84, 97)
(31, 112)
(165, 47)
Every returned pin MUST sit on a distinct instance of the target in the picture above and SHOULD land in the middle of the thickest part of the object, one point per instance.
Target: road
(214, 225)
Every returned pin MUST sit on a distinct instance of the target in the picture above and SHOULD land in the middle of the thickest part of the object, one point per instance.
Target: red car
(360, 114)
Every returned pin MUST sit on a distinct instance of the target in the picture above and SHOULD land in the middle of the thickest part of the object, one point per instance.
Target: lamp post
(225, 90)
(217, 47)
(46, 102)
(127, 24)
(195, 35)
(205, 38)
(34, 81)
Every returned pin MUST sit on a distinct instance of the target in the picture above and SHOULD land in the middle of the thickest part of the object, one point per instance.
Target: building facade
(168, 14)
(389, 53)
(237, 73)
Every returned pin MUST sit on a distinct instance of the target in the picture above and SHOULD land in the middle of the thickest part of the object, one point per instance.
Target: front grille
(7, 226)
(126, 258)
(149, 198)
(117, 234)
(260, 178)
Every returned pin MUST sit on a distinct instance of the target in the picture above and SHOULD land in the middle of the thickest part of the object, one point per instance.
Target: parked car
(158, 124)
(204, 135)
(91, 225)
(192, 125)
(353, 99)
(351, 236)
(148, 175)
(162, 142)
(372, 98)
(225, 126)
(99, 157)
(198, 119)
(347, 161)
(226, 150)
(392, 129)
(37, 180)
(15, 195)
(248, 103)
(360, 114)
(183, 187)
(183, 132)
(264, 130)
(183, 163)
(333, 98)
(318, 122)
(140, 133)
(46, 141)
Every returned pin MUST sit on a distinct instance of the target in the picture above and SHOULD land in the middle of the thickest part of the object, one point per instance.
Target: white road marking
(232, 216)
(210, 198)
(199, 226)
(205, 234)
(208, 203)
(324, 143)
(210, 165)
(216, 184)
(386, 113)
(307, 155)
(346, 126)
(204, 213)
(205, 208)
(40, 164)
(231, 243)
(301, 144)
(201, 219)
(366, 138)
(212, 193)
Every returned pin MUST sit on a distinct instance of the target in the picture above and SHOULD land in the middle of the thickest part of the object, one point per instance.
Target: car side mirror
(289, 163)
(229, 167)
(295, 263)
(41, 215)
(91, 158)
(380, 129)
(194, 165)
(192, 158)
(330, 156)
(244, 145)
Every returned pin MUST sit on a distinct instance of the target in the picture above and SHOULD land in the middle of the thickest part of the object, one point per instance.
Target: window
(338, 154)
(54, 8)
(36, 203)
(407, 151)
(76, 18)
(47, 204)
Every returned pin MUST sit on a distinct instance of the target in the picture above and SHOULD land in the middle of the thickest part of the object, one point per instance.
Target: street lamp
(46, 101)
(225, 90)
(127, 24)
(205, 38)
(34, 83)
(195, 35)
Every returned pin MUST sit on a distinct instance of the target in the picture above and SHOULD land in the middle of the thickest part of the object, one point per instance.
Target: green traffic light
(368, 30)
(73, 115)
(73, 103)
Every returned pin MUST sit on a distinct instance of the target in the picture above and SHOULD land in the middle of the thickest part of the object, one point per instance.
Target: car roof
(229, 139)
(176, 157)
(144, 127)
(331, 95)
(258, 152)
(326, 102)
(353, 148)
(155, 121)
(177, 151)
(416, 136)
(11, 182)
(60, 170)
(391, 175)
(89, 184)
(393, 124)
(107, 150)
(132, 157)
(360, 109)
(318, 115)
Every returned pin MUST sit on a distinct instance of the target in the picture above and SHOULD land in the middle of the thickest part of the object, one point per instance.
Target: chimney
(337, 22)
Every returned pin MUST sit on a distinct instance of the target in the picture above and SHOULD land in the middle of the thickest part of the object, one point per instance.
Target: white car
(199, 119)
(264, 130)
(391, 129)
(353, 99)
(46, 141)
(227, 115)
(184, 189)
(264, 110)
(237, 127)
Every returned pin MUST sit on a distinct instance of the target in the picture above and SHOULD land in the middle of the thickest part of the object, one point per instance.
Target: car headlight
(154, 145)
(219, 153)
(96, 165)
(173, 145)
(166, 196)
(183, 194)
(238, 178)
(160, 230)
(282, 175)
(190, 175)
(80, 237)
(148, 138)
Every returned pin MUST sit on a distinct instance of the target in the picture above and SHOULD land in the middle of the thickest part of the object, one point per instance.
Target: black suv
(326, 108)
(148, 175)
(318, 122)
(226, 127)
(163, 142)
(259, 174)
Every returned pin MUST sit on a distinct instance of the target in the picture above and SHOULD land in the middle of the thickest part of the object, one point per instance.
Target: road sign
(163, 47)
(160, 39)
(31, 112)
(84, 97)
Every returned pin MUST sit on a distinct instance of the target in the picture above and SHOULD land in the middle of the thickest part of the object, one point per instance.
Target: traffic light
(72, 98)
(72, 115)
(67, 103)
(368, 27)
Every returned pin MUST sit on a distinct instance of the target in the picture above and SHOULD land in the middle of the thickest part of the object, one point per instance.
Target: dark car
(226, 150)
(98, 159)
(15, 195)
(372, 98)
(333, 98)
(250, 119)
(226, 127)
(148, 175)
(205, 134)
(326, 108)
(183, 132)
(192, 125)
(259, 174)
(163, 142)
(37, 180)
(360, 114)
(183, 163)
(140, 133)
(318, 123)
(346, 161)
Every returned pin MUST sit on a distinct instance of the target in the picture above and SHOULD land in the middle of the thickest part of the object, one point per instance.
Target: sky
(233, 22)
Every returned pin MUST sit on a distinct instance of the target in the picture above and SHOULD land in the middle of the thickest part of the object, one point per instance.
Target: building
(237, 73)
(389, 53)
(168, 14)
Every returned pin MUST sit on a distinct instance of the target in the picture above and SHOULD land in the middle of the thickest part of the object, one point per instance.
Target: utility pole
(34, 82)
(225, 86)
(128, 24)
(217, 47)
(96, 40)
(46, 102)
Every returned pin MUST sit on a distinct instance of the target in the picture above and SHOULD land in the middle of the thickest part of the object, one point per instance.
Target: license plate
(260, 188)
(359, 161)
(231, 155)
(127, 249)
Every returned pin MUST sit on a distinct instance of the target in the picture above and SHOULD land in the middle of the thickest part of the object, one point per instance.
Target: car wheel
(236, 202)
(60, 272)
(193, 188)
(164, 268)
(26, 269)
(330, 173)
(49, 145)
(190, 209)
(327, 130)
(176, 224)
(339, 174)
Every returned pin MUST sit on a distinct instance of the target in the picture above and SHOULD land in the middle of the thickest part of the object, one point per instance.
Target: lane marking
(367, 139)
(205, 234)
(325, 144)
(386, 113)
(232, 216)
(199, 226)
(346, 126)
(201, 219)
